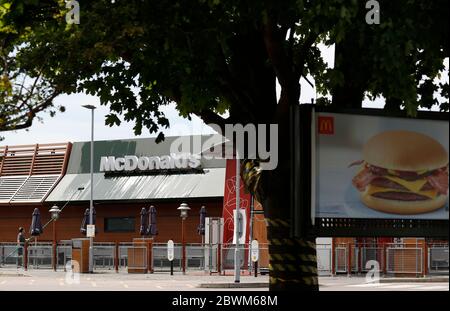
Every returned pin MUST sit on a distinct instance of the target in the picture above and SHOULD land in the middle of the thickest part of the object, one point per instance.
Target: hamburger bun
(405, 151)
(403, 207)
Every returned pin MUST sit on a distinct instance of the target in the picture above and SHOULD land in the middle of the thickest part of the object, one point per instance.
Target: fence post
(359, 258)
(425, 259)
(219, 258)
(25, 256)
(349, 260)
(116, 257)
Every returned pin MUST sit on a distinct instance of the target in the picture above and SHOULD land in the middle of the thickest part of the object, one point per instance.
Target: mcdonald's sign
(326, 125)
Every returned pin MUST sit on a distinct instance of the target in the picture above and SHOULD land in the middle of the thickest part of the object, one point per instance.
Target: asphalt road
(32, 280)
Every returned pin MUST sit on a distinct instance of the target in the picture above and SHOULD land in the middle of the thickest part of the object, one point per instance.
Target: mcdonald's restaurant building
(128, 175)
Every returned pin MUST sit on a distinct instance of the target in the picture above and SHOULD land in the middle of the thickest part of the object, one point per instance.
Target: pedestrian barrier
(11, 254)
(195, 256)
(371, 253)
(63, 253)
(340, 259)
(123, 254)
(404, 259)
(393, 259)
(324, 259)
(104, 254)
(438, 260)
(40, 255)
(160, 261)
(346, 256)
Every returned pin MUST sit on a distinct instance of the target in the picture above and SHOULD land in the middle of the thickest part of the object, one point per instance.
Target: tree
(24, 91)
(207, 56)
(399, 59)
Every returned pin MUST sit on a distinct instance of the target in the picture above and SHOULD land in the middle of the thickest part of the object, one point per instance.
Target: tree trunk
(293, 262)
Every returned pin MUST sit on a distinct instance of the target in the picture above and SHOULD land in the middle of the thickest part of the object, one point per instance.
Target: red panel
(229, 202)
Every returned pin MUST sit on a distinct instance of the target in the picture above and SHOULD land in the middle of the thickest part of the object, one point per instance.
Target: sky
(74, 124)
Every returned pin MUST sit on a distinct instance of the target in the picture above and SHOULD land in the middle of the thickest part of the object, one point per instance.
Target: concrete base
(436, 279)
(11, 274)
(234, 285)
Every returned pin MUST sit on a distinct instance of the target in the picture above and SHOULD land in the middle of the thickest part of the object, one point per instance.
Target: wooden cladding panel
(41, 159)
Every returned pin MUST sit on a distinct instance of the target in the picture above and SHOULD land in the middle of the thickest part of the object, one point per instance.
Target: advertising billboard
(378, 167)
(364, 172)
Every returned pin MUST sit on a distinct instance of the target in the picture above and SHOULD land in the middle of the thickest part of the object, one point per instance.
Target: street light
(184, 208)
(54, 212)
(91, 203)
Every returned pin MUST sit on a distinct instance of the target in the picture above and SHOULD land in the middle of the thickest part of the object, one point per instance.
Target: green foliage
(211, 56)
(398, 59)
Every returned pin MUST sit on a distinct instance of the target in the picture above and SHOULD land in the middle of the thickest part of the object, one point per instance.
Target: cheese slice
(374, 189)
(413, 186)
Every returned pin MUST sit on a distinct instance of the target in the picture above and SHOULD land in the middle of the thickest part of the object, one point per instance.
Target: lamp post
(54, 212)
(91, 203)
(184, 208)
(237, 257)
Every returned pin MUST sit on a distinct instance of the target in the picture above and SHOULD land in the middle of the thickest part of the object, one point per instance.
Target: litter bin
(80, 254)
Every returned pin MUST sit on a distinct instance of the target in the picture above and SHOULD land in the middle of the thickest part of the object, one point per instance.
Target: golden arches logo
(326, 125)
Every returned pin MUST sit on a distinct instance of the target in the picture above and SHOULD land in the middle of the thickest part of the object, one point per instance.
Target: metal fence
(371, 253)
(340, 259)
(11, 254)
(438, 260)
(104, 254)
(324, 259)
(63, 253)
(40, 255)
(394, 259)
(227, 252)
(160, 261)
(401, 259)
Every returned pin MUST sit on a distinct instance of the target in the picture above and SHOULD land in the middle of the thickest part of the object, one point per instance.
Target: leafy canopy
(212, 56)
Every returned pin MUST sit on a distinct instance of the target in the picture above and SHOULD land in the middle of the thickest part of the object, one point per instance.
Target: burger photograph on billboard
(381, 167)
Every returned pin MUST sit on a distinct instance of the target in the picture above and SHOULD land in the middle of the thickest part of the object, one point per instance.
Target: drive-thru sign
(170, 250)
(255, 251)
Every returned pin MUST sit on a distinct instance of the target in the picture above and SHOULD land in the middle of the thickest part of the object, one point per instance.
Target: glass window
(119, 224)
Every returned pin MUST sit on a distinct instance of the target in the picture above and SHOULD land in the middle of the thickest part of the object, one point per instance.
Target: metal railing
(104, 254)
(227, 256)
(393, 259)
(324, 259)
(160, 261)
(438, 259)
(404, 259)
(340, 259)
(63, 253)
(40, 255)
(11, 254)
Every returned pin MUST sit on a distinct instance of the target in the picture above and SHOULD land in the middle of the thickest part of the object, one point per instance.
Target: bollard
(256, 268)
(171, 267)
